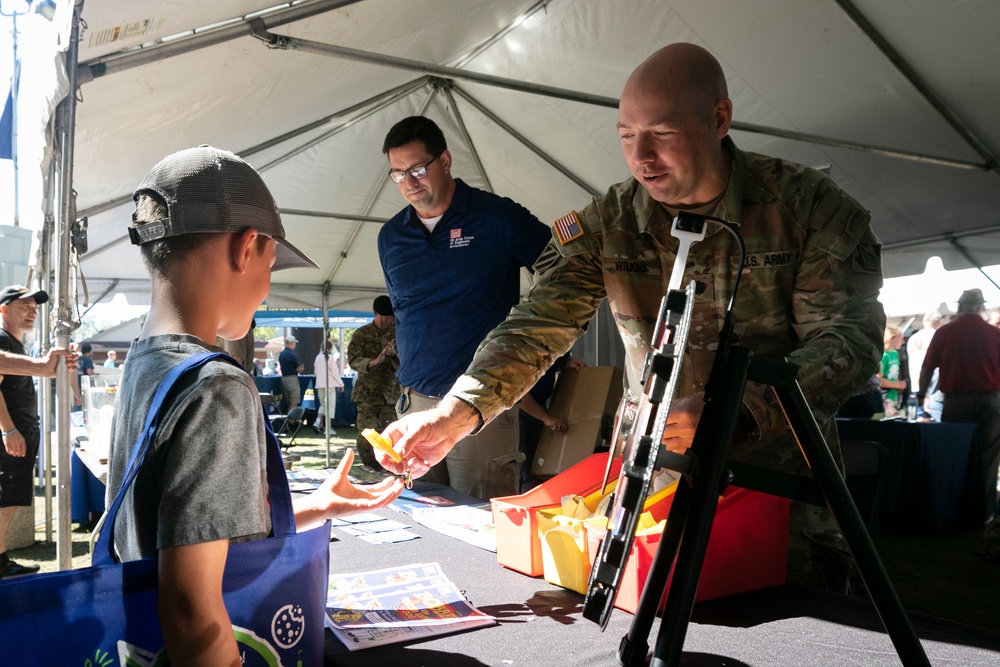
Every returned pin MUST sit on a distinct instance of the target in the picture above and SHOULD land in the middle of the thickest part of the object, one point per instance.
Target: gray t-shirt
(204, 477)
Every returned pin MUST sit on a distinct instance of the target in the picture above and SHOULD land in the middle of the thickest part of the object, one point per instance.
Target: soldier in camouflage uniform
(372, 353)
(808, 292)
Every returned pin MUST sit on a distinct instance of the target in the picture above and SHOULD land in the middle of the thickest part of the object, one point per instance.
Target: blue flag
(6, 129)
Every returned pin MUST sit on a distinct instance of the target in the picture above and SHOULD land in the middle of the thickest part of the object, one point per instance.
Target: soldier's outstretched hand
(423, 439)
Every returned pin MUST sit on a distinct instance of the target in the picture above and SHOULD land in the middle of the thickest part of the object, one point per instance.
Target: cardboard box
(581, 399)
(515, 518)
(747, 550)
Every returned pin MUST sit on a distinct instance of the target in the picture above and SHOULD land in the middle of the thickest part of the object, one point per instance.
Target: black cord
(732, 229)
(726, 335)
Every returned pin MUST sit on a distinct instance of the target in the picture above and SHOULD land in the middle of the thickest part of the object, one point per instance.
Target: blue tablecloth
(86, 492)
(934, 475)
(271, 384)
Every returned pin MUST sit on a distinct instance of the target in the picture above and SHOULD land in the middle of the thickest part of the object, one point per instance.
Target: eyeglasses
(417, 172)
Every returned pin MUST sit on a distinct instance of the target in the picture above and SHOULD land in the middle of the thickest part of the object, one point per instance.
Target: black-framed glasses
(417, 172)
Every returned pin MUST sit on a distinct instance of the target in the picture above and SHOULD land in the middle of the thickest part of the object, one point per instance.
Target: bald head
(672, 117)
(682, 71)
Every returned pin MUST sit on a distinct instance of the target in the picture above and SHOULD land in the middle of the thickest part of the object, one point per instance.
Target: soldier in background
(809, 290)
(372, 353)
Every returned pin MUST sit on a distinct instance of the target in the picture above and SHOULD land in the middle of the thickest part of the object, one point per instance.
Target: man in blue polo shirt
(452, 261)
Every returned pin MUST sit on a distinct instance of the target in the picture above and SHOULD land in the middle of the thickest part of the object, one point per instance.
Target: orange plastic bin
(516, 523)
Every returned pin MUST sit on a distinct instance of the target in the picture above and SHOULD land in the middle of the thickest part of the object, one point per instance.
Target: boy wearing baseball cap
(210, 235)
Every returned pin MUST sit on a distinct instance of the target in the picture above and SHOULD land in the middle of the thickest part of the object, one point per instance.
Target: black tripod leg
(841, 505)
(633, 648)
(710, 448)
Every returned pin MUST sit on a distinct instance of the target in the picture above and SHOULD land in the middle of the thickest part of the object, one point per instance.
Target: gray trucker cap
(211, 190)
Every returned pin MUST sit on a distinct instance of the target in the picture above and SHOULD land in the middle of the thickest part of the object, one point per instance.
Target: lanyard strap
(279, 495)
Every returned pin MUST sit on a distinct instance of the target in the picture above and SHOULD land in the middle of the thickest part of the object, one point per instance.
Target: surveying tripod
(704, 476)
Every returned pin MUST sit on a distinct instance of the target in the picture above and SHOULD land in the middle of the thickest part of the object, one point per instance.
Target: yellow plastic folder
(567, 553)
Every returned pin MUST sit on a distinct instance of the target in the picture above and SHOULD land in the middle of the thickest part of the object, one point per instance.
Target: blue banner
(7, 129)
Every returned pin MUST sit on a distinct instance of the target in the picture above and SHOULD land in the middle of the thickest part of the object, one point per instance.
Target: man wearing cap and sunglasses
(967, 353)
(19, 426)
(452, 262)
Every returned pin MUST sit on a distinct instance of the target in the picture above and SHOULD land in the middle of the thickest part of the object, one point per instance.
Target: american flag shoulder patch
(568, 228)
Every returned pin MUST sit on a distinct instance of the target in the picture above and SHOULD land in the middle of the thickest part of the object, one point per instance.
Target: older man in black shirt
(18, 416)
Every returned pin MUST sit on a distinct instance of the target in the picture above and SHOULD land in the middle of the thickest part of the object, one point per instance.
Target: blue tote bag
(105, 615)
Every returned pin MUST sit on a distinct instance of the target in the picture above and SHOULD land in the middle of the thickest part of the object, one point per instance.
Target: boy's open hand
(338, 497)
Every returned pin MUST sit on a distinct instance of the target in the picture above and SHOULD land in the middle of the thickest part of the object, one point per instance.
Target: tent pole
(401, 92)
(972, 260)
(125, 60)
(270, 143)
(285, 42)
(446, 87)
(912, 156)
(947, 236)
(527, 142)
(283, 211)
(326, 368)
(921, 85)
(45, 316)
(310, 46)
(464, 60)
(64, 324)
(409, 86)
(331, 216)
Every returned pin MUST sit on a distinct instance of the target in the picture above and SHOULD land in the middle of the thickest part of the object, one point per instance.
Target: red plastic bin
(747, 550)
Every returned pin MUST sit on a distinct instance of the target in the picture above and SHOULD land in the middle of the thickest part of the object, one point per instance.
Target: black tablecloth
(541, 625)
(934, 473)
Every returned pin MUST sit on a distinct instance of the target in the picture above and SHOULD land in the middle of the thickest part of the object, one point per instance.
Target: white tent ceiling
(313, 123)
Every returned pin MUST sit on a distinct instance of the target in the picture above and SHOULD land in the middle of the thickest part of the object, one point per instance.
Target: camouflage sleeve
(568, 287)
(356, 351)
(836, 312)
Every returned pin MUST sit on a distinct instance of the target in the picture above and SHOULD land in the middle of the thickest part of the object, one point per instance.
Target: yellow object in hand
(378, 441)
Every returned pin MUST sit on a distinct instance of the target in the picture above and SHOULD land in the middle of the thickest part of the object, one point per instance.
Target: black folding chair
(295, 418)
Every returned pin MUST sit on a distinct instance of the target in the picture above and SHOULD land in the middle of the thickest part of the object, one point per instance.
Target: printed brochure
(376, 607)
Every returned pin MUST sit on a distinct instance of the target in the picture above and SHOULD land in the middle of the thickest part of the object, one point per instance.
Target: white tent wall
(802, 66)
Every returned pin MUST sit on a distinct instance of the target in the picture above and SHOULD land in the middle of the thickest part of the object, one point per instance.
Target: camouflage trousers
(376, 416)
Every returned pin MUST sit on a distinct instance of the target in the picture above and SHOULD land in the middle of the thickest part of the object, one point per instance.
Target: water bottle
(911, 408)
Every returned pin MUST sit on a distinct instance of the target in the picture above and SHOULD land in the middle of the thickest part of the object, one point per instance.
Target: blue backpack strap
(279, 495)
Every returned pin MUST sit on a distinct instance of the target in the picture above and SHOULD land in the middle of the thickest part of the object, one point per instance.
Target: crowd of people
(453, 350)
(950, 372)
